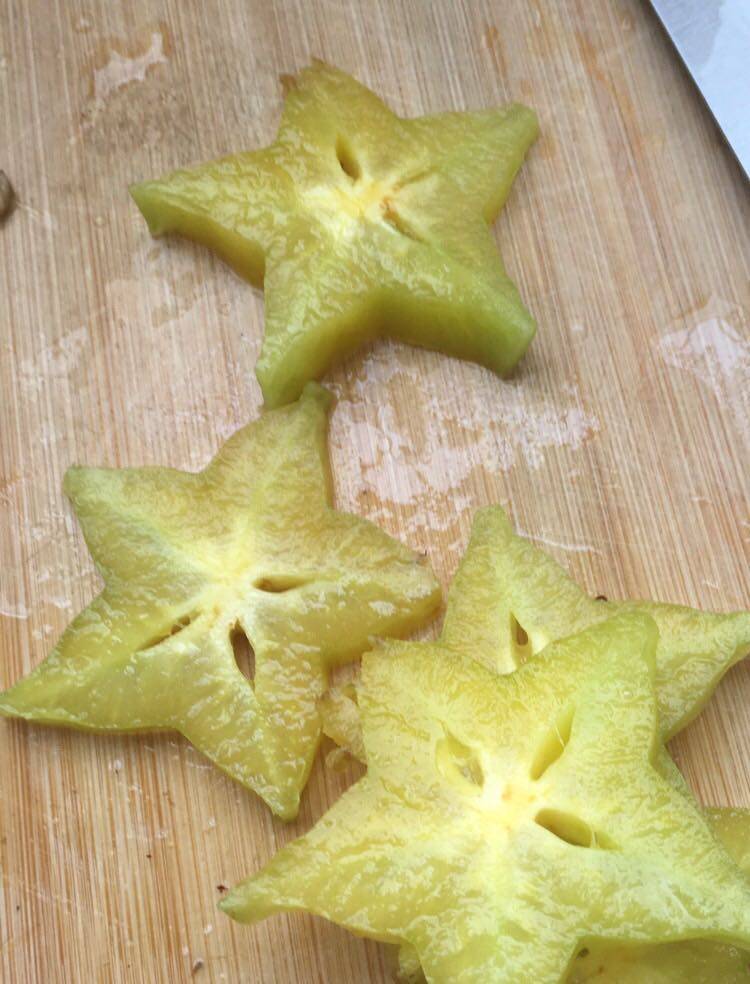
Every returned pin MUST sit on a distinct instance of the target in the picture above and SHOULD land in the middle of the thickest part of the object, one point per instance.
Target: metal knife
(713, 40)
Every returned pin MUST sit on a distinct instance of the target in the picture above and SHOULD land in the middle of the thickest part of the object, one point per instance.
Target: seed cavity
(397, 221)
(179, 626)
(566, 826)
(572, 830)
(244, 654)
(520, 642)
(459, 764)
(347, 159)
(279, 583)
(554, 744)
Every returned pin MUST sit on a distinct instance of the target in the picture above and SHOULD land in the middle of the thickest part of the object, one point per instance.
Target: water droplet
(121, 71)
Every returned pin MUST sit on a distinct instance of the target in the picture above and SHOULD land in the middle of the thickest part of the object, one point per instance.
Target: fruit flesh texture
(509, 600)
(504, 822)
(340, 719)
(250, 544)
(687, 962)
(358, 223)
(519, 588)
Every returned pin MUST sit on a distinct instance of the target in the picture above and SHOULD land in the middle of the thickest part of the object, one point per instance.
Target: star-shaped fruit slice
(250, 548)
(358, 224)
(505, 822)
(505, 583)
(686, 962)
(509, 600)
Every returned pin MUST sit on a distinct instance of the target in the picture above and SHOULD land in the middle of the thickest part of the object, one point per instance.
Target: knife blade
(713, 39)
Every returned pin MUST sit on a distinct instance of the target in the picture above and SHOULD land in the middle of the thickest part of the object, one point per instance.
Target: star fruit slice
(358, 224)
(686, 962)
(509, 600)
(250, 545)
(526, 600)
(505, 822)
(504, 577)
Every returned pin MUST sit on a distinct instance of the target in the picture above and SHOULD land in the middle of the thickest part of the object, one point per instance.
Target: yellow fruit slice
(505, 583)
(248, 547)
(358, 224)
(505, 821)
(687, 962)
(509, 600)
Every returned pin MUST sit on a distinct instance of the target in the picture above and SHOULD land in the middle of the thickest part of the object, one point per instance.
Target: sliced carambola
(686, 962)
(250, 545)
(509, 600)
(358, 224)
(505, 821)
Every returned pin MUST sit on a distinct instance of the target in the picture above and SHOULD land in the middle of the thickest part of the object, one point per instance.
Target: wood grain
(622, 444)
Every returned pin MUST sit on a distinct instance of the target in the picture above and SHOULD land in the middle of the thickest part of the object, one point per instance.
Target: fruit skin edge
(310, 873)
(253, 543)
(377, 259)
(493, 548)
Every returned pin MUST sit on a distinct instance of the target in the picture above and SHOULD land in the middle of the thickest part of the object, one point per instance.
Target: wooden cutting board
(622, 445)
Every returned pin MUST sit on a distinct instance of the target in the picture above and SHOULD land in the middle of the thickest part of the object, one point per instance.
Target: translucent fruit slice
(358, 224)
(505, 583)
(248, 549)
(509, 600)
(505, 821)
(686, 962)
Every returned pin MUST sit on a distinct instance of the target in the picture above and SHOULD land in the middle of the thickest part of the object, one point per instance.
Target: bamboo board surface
(621, 446)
